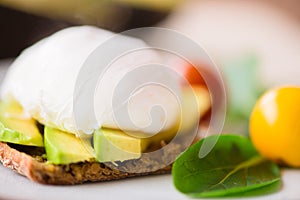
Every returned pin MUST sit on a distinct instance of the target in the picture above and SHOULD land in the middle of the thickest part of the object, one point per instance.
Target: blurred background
(255, 43)
(270, 29)
(24, 22)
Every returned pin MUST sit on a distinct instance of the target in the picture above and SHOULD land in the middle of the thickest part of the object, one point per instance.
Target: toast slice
(29, 162)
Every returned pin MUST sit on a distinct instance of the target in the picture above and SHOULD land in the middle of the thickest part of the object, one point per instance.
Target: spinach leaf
(244, 88)
(232, 167)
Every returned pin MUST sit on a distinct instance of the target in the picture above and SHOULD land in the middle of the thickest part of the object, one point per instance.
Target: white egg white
(43, 78)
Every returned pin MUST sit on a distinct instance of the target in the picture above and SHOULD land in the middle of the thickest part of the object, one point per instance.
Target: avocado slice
(112, 145)
(16, 129)
(65, 148)
(195, 103)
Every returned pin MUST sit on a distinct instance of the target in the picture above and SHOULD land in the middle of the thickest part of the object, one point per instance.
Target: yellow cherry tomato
(275, 125)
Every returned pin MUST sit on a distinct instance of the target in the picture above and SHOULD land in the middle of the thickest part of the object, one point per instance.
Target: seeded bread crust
(45, 173)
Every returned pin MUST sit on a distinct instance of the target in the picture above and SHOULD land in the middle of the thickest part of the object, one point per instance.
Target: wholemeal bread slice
(28, 162)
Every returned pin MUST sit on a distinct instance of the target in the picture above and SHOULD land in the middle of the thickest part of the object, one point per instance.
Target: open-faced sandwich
(40, 139)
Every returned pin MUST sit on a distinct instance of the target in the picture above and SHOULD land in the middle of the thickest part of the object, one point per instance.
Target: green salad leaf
(243, 89)
(233, 167)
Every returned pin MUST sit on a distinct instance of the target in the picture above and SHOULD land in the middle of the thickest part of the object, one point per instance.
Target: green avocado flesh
(110, 145)
(114, 145)
(66, 148)
(14, 128)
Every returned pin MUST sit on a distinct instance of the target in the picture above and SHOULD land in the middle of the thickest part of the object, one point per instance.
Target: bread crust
(45, 173)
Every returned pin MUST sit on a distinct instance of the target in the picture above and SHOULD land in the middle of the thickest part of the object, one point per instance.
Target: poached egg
(44, 77)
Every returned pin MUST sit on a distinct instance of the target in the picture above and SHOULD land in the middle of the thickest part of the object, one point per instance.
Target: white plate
(14, 186)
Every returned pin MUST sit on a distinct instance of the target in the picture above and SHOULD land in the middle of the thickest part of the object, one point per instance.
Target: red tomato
(193, 75)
